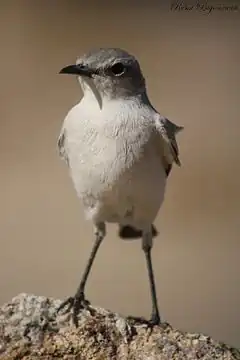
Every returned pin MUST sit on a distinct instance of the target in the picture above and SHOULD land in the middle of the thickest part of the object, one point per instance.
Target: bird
(119, 152)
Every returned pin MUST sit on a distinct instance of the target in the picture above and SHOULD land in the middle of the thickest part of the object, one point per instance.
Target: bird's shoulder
(168, 131)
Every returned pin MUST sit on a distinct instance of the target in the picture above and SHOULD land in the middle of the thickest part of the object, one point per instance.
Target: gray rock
(30, 330)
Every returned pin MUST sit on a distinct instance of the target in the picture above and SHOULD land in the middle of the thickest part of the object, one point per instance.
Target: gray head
(114, 72)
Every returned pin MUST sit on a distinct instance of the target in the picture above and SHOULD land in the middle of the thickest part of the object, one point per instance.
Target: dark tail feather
(129, 232)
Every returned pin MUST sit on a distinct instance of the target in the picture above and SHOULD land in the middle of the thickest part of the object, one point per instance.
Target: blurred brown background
(191, 64)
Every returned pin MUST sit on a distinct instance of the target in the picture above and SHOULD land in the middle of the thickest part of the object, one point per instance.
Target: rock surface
(30, 330)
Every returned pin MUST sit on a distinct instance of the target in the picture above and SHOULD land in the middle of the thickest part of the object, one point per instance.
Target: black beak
(79, 70)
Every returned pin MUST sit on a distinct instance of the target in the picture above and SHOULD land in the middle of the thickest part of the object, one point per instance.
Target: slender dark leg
(78, 301)
(147, 247)
(155, 317)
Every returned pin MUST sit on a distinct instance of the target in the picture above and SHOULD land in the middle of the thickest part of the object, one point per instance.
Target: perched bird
(119, 152)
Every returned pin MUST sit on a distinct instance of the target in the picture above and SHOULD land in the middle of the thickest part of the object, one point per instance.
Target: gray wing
(169, 148)
(61, 144)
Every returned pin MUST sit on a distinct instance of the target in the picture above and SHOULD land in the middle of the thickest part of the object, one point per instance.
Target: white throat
(90, 90)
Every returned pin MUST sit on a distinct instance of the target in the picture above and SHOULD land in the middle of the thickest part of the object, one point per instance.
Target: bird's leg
(147, 247)
(155, 317)
(78, 301)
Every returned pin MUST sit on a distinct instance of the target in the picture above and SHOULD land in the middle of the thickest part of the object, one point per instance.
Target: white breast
(114, 160)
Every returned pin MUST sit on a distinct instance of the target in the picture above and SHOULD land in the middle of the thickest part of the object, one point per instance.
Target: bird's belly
(114, 185)
(115, 166)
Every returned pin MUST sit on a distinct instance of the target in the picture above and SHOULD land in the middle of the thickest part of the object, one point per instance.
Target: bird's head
(110, 72)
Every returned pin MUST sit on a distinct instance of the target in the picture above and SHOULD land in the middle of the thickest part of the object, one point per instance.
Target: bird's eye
(118, 69)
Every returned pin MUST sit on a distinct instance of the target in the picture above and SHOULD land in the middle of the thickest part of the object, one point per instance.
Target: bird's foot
(154, 320)
(75, 303)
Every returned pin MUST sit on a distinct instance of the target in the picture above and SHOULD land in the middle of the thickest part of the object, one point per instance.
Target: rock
(30, 330)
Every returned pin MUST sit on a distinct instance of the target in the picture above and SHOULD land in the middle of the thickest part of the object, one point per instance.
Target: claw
(76, 303)
(138, 320)
(69, 302)
(155, 320)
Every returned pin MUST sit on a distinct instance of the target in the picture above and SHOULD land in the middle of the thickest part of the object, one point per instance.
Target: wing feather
(168, 131)
(61, 144)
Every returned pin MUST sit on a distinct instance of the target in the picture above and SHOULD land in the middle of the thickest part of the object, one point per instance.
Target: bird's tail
(129, 232)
